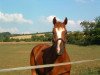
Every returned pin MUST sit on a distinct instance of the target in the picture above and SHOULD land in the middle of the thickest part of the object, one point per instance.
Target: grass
(17, 54)
(84, 53)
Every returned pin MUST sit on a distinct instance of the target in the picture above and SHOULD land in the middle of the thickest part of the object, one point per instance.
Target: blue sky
(30, 16)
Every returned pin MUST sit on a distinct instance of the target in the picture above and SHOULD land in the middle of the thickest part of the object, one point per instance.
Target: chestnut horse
(46, 54)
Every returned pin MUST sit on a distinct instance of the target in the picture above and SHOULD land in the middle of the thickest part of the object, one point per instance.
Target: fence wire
(47, 65)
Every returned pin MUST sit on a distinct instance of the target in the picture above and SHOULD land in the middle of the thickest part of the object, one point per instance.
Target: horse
(52, 54)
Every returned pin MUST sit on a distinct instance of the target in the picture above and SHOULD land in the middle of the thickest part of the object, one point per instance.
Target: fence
(47, 65)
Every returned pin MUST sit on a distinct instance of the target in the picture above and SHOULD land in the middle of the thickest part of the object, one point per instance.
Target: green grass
(16, 55)
(78, 53)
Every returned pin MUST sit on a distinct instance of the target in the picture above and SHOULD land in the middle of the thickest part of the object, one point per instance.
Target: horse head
(59, 35)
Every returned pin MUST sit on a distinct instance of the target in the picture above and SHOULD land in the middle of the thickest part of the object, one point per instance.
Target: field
(21, 37)
(26, 36)
(17, 55)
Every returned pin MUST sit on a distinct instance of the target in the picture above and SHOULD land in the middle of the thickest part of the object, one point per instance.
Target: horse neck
(53, 47)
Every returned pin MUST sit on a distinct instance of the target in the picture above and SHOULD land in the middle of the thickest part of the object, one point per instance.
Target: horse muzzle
(60, 46)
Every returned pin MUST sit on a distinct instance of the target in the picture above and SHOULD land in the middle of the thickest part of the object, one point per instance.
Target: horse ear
(65, 21)
(54, 20)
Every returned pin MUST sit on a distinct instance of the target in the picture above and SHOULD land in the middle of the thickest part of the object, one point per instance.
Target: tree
(91, 31)
(96, 31)
(5, 36)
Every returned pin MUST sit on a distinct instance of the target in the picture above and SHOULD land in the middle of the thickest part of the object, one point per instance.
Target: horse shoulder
(39, 48)
(38, 52)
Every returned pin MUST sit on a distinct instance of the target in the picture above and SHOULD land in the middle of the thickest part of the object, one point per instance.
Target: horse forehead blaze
(59, 31)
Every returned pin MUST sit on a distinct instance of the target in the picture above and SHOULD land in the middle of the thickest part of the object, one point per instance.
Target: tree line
(90, 35)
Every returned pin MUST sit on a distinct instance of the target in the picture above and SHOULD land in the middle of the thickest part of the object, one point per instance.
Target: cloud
(74, 25)
(71, 22)
(14, 18)
(47, 19)
(11, 30)
(50, 18)
(71, 26)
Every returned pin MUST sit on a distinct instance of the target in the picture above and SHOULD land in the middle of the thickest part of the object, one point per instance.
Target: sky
(31, 16)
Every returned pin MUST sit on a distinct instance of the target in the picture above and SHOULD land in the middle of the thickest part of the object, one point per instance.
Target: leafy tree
(96, 31)
(91, 31)
(5, 36)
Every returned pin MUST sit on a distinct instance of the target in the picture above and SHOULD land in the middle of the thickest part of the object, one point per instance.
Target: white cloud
(11, 30)
(74, 25)
(71, 26)
(71, 22)
(47, 19)
(79, 21)
(13, 18)
(50, 18)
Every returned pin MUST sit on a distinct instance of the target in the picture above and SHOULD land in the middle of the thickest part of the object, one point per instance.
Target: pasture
(18, 55)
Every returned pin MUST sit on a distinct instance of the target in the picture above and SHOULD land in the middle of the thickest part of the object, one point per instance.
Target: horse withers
(57, 53)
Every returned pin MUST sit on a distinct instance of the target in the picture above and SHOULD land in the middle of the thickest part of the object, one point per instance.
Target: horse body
(38, 53)
(46, 54)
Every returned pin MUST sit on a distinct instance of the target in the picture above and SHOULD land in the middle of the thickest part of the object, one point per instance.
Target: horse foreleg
(32, 63)
(33, 72)
(66, 73)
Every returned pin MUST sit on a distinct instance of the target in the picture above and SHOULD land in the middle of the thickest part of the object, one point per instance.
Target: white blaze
(59, 35)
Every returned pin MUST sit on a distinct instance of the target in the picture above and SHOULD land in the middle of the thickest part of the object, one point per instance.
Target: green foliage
(45, 37)
(4, 36)
(37, 38)
(91, 31)
(48, 36)
(90, 34)
(76, 38)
